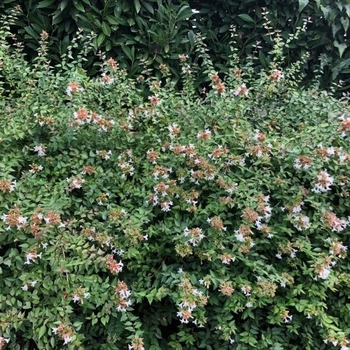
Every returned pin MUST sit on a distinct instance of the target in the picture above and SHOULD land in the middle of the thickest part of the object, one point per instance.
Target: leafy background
(145, 34)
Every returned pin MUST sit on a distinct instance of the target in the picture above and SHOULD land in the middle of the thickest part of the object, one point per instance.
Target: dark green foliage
(145, 34)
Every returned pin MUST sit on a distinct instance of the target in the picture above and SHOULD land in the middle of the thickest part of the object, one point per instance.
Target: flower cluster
(75, 182)
(73, 88)
(126, 163)
(219, 86)
(241, 90)
(31, 256)
(83, 116)
(123, 296)
(191, 300)
(193, 235)
(65, 332)
(79, 295)
(323, 183)
(136, 344)
(28, 284)
(106, 155)
(15, 219)
(276, 75)
(344, 126)
(7, 185)
(113, 265)
(331, 221)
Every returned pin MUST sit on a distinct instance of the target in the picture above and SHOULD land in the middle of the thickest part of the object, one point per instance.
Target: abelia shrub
(174, 221)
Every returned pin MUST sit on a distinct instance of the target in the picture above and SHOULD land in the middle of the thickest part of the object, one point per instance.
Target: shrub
(157, 31)
(171, 222)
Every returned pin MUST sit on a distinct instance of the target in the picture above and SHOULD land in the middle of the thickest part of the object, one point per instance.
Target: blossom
(286, 317)
(246, 290)
(276, 75)
(7, 185)
(35, 168)
(73, 87)
(324, 181)
(324, 272)
(112, 63)
(40, 149)
(184, 315)
(64, 332)
(330, 220)
(303, 162)
(195, 235)
(155, 100)
(3, 341)
(227, 258)
(301, 222)
(183, 58)
(241, 90)
(75, 182)
(226, 288)
(344, 125)
(136, 344)
(204, 135)
(67, 339)
(186, 69)
(31, 256)
(106, 79)
(113, 265)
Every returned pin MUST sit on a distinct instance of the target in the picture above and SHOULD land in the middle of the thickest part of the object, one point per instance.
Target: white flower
(67, 340)
(3, 340)
(324, 273)
(40, 149)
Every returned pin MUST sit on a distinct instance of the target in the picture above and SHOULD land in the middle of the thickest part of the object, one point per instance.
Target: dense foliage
(175, 221)
(145, 34)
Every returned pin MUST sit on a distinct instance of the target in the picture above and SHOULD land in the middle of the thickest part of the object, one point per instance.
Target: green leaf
(246, 18)
(302, 4)
(78, 5)
(63, 5)
(263, 59)
(45, 3)
(100, 39)
(341, 47)
(42, 331)
(184, 13)
(225, 28)
(31, 32)
(112, 20)
(148, 7)
(128, 52)
(137, 6)
(191, 37)
(106, 29)
(345, 23)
